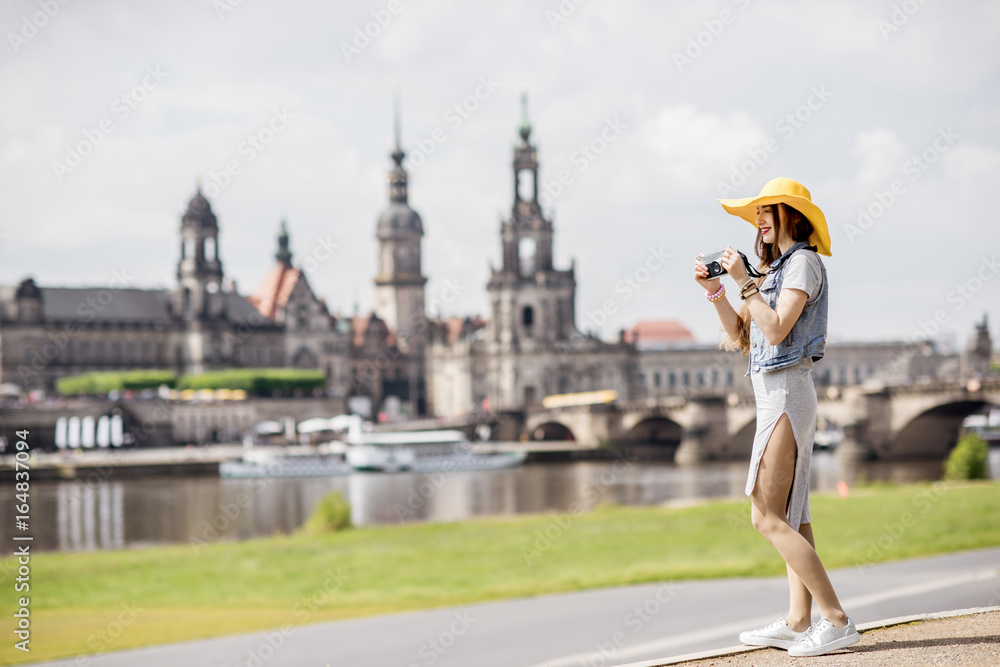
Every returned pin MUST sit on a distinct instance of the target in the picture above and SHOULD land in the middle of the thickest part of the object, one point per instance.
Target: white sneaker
(778, 635)
(823, 637)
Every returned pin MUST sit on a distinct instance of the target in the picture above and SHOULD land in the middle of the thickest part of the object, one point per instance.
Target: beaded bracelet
(718, 295)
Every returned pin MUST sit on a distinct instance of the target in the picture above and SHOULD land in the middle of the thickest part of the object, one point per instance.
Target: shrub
(259, 381)
(968, 460)
(103, 382)
(333, 513)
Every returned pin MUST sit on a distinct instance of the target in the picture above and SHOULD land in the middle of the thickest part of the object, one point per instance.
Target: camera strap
(751, 271)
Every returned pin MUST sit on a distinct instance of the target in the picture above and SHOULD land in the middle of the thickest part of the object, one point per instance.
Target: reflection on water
(114, 514)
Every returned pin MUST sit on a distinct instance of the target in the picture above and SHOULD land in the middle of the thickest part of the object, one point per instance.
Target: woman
(782, 328)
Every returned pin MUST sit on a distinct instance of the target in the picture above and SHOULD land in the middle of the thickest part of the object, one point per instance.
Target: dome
(199, 212)
(28, 290)
(399, 220)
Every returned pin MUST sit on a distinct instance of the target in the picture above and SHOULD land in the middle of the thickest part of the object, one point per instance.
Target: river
(135, 513)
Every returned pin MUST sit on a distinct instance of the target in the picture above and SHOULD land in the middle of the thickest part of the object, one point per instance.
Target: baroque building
(530, 346)
(395, 358)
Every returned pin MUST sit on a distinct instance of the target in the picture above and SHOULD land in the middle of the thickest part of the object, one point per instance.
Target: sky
(643, 112)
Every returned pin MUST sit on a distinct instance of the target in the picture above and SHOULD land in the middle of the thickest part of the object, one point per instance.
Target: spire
(284, 255)
(397, 177)
(525, 127)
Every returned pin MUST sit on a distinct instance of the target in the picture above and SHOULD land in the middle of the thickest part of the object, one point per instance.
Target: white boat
(279, 462)
(828, 437)
(417, 451)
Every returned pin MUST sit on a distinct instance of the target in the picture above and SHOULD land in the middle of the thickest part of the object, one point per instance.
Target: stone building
(530, 346)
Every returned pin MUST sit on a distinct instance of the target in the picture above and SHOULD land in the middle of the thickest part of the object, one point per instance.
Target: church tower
(399, 285)
(532, 302)
(199, 271)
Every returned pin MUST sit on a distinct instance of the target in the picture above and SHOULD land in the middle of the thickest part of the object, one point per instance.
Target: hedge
(261, 381)
(103, 382)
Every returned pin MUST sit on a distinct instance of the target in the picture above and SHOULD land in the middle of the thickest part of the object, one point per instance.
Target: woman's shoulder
(806, 258)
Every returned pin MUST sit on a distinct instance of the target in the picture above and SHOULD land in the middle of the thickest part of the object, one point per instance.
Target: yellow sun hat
(785, 191)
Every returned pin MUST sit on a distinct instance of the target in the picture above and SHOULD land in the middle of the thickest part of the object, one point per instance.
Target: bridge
(897, 422)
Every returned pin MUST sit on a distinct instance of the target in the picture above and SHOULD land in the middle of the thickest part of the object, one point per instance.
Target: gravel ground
(968, 641)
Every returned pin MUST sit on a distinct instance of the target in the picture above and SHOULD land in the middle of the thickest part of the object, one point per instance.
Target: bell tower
(199, 271)
(399, 285)
(532, 302)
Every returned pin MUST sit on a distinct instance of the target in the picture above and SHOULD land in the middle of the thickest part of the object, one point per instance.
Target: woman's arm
(729, 317)
(775, 323)
(726, 313)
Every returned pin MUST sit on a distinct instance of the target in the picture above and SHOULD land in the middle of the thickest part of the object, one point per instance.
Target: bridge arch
(933, 432)
(740, 443)
(656, 436)
(551, 430)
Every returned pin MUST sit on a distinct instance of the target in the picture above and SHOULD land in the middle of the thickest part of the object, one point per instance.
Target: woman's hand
(733, 264)
(701, 276)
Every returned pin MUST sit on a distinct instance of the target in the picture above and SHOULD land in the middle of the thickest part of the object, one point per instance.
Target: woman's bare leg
(800, 599)
(769, 500)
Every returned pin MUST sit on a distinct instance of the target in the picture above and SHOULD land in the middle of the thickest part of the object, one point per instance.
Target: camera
(714, 264)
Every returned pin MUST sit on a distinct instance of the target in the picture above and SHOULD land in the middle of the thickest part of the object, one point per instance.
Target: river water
(117, 514)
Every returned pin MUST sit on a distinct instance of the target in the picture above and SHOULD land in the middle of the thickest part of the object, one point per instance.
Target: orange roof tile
(275, 290)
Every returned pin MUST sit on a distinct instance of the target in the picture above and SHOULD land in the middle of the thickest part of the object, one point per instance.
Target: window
(97, 351)
(701, 379)
(209, 249)
(729, 378)
(112, 352)
(187, 249)
(143, 352)
(672, 380)
(529, 395)
(80, 353)
(526, 249)
(656, 379)
(527, 316)
(686, 379)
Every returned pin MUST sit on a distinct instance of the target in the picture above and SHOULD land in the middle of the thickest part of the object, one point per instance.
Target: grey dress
(790, 390)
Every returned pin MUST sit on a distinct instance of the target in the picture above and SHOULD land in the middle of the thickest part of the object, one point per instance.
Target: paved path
(603, 627)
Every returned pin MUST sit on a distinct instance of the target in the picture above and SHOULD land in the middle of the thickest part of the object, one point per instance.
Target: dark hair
(799, 229)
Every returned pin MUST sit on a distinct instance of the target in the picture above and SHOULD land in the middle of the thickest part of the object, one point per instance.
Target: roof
(399, 220)
(98, 304)
(457, 327)
(199, 213)
(275, 290)
(652, 334)
(360, 325)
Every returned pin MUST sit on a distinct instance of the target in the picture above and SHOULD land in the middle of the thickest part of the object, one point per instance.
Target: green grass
(183, 593)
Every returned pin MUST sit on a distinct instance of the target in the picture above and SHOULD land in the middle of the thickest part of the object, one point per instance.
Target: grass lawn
(110, 600)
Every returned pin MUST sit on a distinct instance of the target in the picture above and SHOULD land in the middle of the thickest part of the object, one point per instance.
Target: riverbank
(88, 602)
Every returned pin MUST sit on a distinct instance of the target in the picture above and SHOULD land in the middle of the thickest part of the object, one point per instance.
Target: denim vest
(808, 335)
